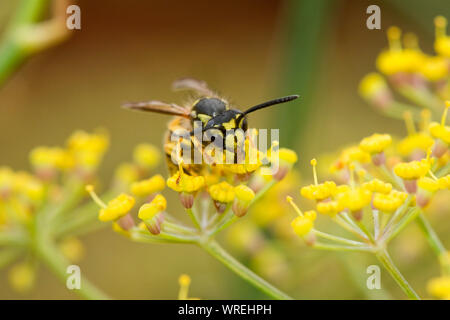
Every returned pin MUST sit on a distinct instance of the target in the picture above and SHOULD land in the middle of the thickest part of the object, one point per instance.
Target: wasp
(212, 111)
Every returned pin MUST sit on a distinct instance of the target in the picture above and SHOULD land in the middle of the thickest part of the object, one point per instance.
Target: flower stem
(11, 53)
(194, 219)
(215, 250)
(435, 243)
(58, 265)
(387, 262)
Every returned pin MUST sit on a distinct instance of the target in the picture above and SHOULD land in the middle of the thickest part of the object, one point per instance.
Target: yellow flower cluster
(57, 182)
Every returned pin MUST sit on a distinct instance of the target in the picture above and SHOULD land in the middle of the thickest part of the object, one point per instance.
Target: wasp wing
(158, 107)
(192, 84)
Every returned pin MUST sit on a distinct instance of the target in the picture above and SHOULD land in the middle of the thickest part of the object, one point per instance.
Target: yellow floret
(412, 170)
(244, 193)
(371, 85)
(439, 287)
(444, 182)
(375, 143)
(149, 210)
(389, 202)
(330, 208)
(428, 184)
(185, 183)
(149, 186)
(440, 131)
(117, 208)
(222, 192)
(418, 141)
(288, 155)
(302, 225)
(377, 185)
(434, 68)
(319, 191)
(21, 277)
(147, 156)
(355, 199)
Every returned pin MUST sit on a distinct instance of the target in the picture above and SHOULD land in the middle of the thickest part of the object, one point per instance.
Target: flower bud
(244, 195)
(151, 214)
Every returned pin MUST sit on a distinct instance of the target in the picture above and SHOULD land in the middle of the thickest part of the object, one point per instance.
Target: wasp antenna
(270, 103)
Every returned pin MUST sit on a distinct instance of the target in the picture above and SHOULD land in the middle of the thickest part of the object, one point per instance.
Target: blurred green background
(248, 50)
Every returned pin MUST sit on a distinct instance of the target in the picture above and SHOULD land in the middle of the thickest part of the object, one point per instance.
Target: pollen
(318, 191)
(428, 184)
(181, 182)
(377, 185)
(330, 208)
(222, 192)
(376, 143)
(412, 170)
(116, 208)
(389, 202)
(244, 193)
(418, 141)
(354, 199)
(148, 186)
(303, 225)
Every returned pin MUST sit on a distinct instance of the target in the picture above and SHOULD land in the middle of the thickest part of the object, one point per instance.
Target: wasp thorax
(207, 108)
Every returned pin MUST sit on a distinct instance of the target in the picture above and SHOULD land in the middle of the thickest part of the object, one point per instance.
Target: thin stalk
(334, 247)
(193, 217)
(387, 262)
(376, 223)
(215, 250)
(337, 239)
(410, 216)
(345, 222)
(435, 243)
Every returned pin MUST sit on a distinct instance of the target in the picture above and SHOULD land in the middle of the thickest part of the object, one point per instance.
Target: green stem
(56, 262)
(435, 243)
(194, 219)
(11, 53)
(410, 216)
(215, 250)
(334, 247)
(387, 262)
(337, 239)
